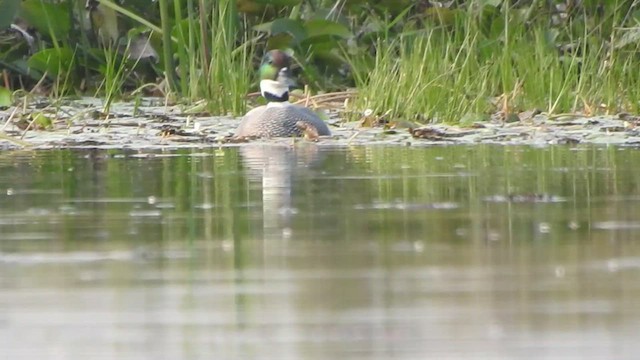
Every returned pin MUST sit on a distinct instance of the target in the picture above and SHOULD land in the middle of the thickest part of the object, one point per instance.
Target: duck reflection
(275, 166)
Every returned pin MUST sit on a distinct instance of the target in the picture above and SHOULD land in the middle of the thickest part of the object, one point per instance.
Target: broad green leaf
(441, 15)
(321, 44)
(319, 27)
(288, 26)
(9, 10)
(494, 3)
(19, 66)
(278, 2)
(247, 6)
(47, 18)
(279, 41)
(52, 61)
(5, 97)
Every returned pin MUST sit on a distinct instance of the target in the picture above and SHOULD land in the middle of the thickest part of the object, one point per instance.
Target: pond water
(307, 252)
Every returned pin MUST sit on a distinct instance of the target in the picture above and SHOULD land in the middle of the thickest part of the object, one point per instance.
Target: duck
(279, 117)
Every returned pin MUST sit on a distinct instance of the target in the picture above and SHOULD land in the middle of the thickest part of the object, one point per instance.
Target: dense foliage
(422, 59)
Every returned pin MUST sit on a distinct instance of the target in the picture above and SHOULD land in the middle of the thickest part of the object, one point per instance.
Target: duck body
(279, 118)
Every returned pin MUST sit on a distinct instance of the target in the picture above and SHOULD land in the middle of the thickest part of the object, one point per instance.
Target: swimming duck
(279, 118)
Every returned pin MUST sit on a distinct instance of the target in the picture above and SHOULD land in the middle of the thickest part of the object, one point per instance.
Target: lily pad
(42, 122)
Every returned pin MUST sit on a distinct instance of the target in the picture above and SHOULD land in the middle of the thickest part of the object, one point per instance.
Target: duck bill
(286, 77)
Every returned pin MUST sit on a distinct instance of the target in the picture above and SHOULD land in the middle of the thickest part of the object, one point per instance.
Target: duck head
(275, 76)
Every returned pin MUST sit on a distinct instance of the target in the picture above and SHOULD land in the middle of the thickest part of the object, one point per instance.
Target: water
(321, 253)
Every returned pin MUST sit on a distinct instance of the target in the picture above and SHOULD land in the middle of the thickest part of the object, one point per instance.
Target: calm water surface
(274, 252)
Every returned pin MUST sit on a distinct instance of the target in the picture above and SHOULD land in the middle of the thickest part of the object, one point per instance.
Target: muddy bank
(80, 124)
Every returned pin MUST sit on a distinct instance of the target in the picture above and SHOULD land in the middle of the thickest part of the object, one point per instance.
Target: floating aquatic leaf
(41, 121)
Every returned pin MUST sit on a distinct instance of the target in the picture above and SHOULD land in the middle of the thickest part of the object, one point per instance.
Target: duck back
(280, 120)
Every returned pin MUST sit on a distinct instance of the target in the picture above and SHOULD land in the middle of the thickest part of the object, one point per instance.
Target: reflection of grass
(452, 173)
(364, 175)
(466, 73)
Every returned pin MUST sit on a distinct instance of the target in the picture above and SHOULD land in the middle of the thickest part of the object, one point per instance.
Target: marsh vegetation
(422, 61)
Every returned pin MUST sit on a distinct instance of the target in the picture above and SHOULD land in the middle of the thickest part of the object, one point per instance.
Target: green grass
(461, 64)
(206, 55)
(229, 70)
(464, 74)
(214, 56)
(424, 73)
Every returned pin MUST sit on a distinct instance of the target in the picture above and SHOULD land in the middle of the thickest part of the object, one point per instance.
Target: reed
(464, 73)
